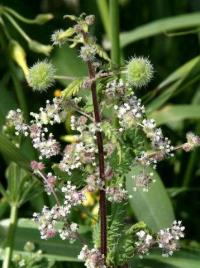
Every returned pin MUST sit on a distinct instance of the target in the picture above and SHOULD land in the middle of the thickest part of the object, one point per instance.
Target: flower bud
(88, 52)
(39, 48)
(41, 76)
(29, 246)
(139, 72)
(19, 56)
(60, 36)
(43, 18)
(90, 19)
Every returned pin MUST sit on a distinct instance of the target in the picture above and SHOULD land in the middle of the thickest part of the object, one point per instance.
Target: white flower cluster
(50, 183)
(144, 243)
(72, 196)
(130, 113)
(69, 232)
(116, 194)
(47, 147)
(145, 160)
(158, 141)
(142, 181)
(79, 124)
(166, 239)
(16, 119)
(94, 183)
(192, 141)
(49, 218)
(116, 88)
(92, 257)
(52, 113)
(75, 155)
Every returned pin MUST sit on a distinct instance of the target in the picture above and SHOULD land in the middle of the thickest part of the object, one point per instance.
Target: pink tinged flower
(37, 165)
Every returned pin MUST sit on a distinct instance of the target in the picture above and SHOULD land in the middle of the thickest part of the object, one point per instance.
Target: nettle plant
(111, 135)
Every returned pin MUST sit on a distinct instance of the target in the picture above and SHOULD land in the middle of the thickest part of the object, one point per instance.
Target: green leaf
(21, 186)
(102, 53)
(153, 207)
(179, 73)
(181, 259)
(13, 153)
(72, 89)
(68, 63)
(174, 113)
(160, 26)
(53, 249)
(187, 80)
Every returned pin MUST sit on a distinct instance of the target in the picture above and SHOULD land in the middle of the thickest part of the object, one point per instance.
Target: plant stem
(103, 10)
(10, 237)
(103, 212)
(114, 22)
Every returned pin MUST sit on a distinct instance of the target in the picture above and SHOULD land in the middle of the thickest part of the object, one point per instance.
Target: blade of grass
(114, 22)
(160, 26)
(104, 12)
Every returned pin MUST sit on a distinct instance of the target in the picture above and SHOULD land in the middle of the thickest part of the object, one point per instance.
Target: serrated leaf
(102, 53)
(153, 207)
(72, 89)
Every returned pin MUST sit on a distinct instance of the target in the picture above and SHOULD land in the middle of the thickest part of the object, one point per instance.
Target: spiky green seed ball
(139, 72)
(41, 76)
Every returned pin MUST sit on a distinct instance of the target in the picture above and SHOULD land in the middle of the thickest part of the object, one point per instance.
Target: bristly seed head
(139, 72)
(41, 76)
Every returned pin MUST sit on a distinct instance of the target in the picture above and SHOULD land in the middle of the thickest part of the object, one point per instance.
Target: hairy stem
(10, 237)
(99, 137)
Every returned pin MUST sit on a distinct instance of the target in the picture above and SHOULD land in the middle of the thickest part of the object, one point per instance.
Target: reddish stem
(99, 137)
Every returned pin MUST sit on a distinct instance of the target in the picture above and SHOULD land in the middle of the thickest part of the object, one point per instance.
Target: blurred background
(168, 32)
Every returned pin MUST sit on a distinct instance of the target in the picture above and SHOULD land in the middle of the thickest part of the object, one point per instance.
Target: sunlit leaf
(174, 113)
(153, 207)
